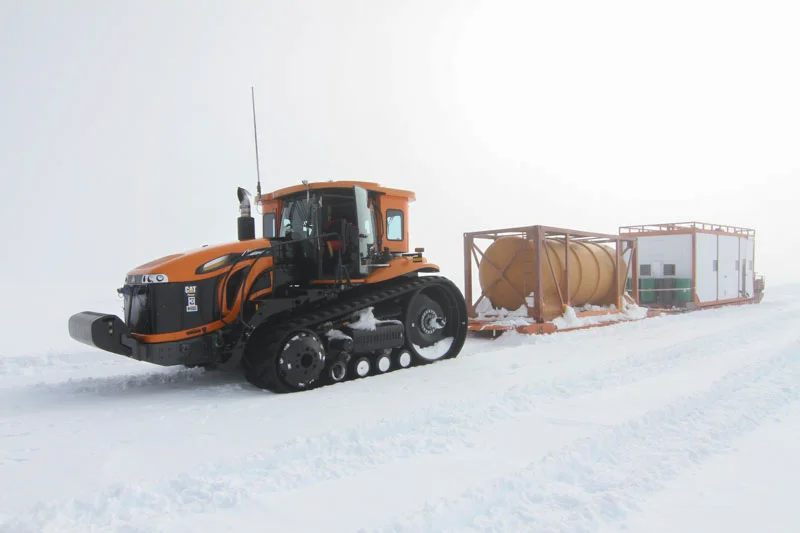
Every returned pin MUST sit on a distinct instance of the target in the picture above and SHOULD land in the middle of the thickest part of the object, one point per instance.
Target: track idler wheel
(301, 359)
(435, 323)
(284, 362)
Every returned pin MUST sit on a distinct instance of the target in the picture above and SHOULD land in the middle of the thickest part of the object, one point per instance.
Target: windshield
(296, 219)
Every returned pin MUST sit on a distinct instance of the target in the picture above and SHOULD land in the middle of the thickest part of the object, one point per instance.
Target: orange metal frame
(537, 235)
(676, 227)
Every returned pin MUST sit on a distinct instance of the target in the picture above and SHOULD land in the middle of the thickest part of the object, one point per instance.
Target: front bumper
(109, 333)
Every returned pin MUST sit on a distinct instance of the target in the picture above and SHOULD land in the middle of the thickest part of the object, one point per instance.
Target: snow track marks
(600, 478)
(621, 452)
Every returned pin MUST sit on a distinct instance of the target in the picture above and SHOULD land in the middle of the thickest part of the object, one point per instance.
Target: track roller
(362, 367)
(384, 363)
(403, 358)
(338, 371)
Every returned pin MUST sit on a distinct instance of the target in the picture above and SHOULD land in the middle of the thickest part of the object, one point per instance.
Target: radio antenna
(255, 136)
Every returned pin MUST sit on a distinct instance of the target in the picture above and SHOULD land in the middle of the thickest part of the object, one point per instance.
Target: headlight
(146, 278)
(215, 264)
(154, 278)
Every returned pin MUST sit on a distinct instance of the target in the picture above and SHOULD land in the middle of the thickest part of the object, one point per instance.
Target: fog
(127, 126)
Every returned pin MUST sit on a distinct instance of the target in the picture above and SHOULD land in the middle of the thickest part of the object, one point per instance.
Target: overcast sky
(126, 126)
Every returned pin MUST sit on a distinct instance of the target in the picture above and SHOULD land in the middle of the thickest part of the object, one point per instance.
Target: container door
(743, 269)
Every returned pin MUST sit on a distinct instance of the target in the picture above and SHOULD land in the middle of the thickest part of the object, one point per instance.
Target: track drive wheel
(284, 361)
(435, 323)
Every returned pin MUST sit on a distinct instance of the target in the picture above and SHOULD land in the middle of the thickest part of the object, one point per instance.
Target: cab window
(394, 225)
(269, 225)
(297, 218)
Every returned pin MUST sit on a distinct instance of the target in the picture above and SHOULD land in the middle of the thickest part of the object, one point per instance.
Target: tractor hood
(192, 265)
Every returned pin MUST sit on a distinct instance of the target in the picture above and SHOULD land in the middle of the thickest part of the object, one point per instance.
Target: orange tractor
(330, 292)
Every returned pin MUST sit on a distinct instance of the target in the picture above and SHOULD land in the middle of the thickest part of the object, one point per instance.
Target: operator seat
(338, 226)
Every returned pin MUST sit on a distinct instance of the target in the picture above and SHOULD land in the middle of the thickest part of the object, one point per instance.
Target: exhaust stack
(246, 223)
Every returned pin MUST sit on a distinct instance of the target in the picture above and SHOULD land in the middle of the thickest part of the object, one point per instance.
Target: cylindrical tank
(506, 269)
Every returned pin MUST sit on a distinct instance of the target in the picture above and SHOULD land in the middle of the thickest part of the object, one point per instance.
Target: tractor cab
(337, 231)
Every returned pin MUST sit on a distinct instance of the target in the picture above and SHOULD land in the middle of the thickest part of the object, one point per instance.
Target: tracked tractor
(330, 292)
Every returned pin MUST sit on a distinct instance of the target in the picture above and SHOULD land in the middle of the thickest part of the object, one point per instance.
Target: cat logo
(191, 298)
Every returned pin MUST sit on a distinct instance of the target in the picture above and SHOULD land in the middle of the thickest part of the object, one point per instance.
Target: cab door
(366, 231)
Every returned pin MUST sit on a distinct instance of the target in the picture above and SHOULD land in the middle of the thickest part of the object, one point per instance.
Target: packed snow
(570, 319)
(674, 423)
(435, 350)
(337, 334)
(367, 321)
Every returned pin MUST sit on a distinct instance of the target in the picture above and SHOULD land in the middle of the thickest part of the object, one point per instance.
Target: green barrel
(684, 295)
(644, 295)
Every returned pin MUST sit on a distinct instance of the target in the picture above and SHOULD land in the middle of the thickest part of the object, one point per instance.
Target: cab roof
(368, 185)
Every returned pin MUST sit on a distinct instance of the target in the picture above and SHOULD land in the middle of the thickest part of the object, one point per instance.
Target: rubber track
(261, 370)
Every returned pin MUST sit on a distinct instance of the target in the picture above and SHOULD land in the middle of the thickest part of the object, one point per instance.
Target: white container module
(717, 262)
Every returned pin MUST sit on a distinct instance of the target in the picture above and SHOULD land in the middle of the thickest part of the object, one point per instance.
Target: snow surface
(676, 423)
